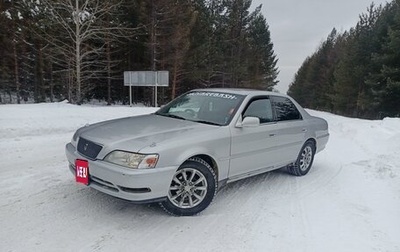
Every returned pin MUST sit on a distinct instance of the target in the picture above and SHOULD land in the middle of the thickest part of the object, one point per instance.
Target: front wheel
(192, 188)
(304, 160)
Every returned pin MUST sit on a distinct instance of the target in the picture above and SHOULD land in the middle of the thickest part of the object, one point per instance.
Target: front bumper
(136, 185)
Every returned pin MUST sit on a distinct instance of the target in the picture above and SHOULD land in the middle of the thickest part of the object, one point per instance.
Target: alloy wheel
(188, 188)
(306, 158)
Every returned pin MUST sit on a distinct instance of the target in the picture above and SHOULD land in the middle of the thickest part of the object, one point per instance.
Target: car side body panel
(253, 148)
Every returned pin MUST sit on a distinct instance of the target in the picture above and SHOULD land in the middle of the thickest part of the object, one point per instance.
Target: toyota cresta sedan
(182, 154)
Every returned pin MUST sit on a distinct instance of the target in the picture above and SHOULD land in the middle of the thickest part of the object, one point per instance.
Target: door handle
(272, 134)
(304, 130)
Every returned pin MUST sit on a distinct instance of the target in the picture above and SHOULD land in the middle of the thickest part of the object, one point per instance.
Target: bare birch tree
(83, 39)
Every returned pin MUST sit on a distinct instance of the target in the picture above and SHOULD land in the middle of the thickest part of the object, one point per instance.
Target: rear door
(290, 131)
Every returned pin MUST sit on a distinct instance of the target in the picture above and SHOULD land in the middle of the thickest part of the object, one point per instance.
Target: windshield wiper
(172, 116)
(207, 122)
(182, 118)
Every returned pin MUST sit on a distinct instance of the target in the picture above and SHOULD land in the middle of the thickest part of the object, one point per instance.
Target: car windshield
(215, 108)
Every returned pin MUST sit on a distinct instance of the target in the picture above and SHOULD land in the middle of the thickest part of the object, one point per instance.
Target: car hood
(135, 133)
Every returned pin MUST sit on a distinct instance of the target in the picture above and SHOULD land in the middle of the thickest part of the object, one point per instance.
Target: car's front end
(126, 175)
(135, 158)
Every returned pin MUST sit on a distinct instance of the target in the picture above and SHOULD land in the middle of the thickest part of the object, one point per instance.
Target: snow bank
(350, 200)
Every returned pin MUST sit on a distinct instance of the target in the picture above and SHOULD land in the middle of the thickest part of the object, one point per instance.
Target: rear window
(285, 110)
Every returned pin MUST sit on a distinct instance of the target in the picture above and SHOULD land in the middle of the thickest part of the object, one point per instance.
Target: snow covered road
(350, 200)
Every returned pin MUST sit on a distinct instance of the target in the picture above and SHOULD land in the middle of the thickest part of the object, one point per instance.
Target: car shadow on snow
(273, 185)
(109, 204)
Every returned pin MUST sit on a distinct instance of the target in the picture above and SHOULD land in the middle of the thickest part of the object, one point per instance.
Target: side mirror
(249, 121)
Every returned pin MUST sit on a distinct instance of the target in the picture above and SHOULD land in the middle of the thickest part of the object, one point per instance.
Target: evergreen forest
(355, 73)
(77, 50)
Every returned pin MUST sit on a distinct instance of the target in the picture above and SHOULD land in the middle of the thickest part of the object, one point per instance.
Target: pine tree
(78, 49)
(261, 59)
(313, 83)
(385, 80)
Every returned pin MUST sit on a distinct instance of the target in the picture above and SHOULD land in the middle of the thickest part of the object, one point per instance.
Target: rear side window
(285, 110)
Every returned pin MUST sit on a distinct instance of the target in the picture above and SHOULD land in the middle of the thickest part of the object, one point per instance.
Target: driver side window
(260, 108)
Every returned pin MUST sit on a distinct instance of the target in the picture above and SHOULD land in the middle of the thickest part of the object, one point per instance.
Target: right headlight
(74, 139)
(132, 160)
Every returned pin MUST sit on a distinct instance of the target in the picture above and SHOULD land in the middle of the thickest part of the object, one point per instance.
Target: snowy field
(350, 200)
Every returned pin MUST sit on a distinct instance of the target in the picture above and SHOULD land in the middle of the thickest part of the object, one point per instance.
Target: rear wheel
(304, 160)
(192, 188)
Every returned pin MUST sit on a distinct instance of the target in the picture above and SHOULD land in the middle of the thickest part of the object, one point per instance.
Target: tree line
(79, 49)
(355, 73)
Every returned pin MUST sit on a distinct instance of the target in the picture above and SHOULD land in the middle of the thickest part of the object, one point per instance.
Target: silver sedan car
(182, 154)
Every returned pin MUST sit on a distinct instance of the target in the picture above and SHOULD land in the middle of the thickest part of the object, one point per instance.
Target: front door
(253, 149)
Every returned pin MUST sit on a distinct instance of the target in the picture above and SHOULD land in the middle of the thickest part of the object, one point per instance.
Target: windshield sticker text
(218, 95)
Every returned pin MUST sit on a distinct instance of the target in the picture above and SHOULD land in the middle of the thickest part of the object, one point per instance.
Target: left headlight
(132, 160)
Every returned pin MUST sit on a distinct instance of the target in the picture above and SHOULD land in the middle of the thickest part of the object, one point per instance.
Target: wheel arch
(313, 141)
(209, 160)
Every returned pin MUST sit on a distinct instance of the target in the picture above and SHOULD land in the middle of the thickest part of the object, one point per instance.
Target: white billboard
(146, 78)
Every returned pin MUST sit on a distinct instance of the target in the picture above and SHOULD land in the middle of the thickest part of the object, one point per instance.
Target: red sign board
(82, 171)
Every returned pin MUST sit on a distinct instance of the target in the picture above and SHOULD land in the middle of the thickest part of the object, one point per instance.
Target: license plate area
(82, 171)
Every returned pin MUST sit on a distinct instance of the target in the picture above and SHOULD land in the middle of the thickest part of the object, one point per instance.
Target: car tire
(192, 188)
(304, 161)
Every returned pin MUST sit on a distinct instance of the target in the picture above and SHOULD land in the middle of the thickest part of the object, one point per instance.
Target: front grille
(88, 148)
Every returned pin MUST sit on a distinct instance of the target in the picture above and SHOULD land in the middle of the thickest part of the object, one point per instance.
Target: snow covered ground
(350, 200)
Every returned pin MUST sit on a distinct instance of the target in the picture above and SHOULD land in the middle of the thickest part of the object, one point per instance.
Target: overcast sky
(299, 26)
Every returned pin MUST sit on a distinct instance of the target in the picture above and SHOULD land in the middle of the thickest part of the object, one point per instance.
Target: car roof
(240, 91)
